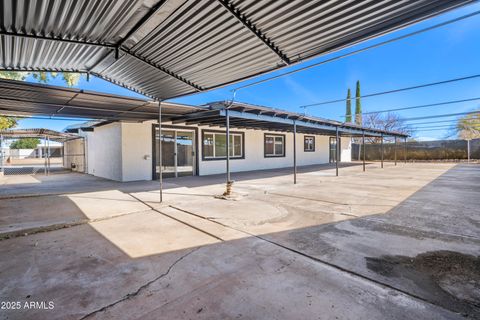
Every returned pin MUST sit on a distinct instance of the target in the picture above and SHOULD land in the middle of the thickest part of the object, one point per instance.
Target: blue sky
(448, 52)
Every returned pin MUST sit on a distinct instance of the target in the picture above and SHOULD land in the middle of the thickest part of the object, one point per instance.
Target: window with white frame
(215, 145)
(308, 143)
(274, 145)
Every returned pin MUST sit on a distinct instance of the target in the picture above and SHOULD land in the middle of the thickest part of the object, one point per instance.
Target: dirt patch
(447, 278)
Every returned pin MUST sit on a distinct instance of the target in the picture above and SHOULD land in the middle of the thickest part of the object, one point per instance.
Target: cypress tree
(348, 113)
(358, 105)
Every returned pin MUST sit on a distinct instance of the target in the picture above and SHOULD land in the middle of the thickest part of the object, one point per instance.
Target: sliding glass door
(178, 153)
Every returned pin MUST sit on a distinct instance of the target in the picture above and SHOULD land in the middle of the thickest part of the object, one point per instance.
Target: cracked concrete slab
(37, 213)
(359, 246)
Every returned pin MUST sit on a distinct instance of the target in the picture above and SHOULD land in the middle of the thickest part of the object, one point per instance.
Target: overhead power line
(432, 127)
(442, 115)
(439, 25)
(432, 130)
(431, 84)
(423, 106)
(430, 122)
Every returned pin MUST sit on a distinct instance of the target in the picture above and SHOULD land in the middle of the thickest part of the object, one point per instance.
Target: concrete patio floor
(399, 243)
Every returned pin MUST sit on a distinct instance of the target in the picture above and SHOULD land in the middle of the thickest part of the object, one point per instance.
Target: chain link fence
(44, 159)
(441, 150)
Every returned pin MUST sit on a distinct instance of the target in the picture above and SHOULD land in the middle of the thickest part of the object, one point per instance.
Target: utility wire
(47, 118)
(430, 122)
(395, 90)
(421, 106)
(432, 130)
(432, 127)
(362, 49)
(442, 115)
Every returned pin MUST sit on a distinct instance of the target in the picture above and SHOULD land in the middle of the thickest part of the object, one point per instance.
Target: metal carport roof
(22, 98)
(247, 116)
(169, 48)
(37, 133)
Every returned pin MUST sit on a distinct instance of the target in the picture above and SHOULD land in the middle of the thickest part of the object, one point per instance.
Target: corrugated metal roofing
(248, 116)
(22, 98)
(37, 133)
(171, 48)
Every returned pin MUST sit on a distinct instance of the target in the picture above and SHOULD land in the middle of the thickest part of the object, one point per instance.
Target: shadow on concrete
(16, 186)
(100, 269)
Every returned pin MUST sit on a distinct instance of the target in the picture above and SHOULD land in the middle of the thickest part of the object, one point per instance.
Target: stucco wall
(346, 149)
(123, 151)
(254, 153)
(73, 155)
(136, 151)
(107, 152)
(89, 137)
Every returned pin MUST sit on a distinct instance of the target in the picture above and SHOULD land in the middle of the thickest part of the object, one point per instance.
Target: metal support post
(363, 149)
(294, 152)
(381, 156)
(160, 153)
(468, 151)
(1, 154)
(45, 155)
(227, 144)
(405, 150)
(336, 152)
(395, 150)
(48, 154)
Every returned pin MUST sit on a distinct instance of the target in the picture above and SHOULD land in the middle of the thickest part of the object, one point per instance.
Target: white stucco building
(194, 143)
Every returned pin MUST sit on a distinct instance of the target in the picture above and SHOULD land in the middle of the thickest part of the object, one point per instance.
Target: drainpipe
(363, 148)
(294, 152)
(160, 151)
(381, 143)
(336, 151)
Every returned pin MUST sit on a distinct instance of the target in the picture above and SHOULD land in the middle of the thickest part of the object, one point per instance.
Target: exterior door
(178, 153)
(184, 153)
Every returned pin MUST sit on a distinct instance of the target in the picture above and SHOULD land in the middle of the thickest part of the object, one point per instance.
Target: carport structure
(247, 116)
(170, 48)
(20, 98)
(46, 134)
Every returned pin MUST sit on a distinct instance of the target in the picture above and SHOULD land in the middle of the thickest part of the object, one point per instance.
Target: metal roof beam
(162, 69)
(56, 39)
(300, 123)
(254, 30)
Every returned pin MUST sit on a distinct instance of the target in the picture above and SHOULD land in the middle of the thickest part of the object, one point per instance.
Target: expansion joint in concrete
(321, 261)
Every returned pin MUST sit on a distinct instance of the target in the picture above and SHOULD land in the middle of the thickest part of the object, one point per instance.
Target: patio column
(294, 152)
(1, 153)
(336, 151)
(363, 149)
(160, 155)
(381, 156)
(227, 145)
(45, 155)
(468, 151)
(48, 154)
(395, 150)
(405, 149)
